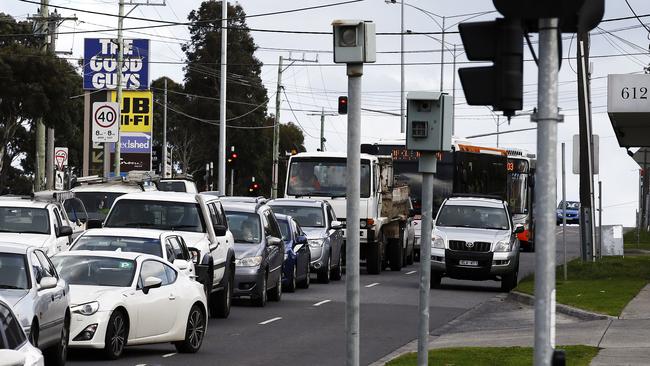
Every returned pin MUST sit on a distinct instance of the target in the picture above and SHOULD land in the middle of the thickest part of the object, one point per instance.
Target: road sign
(628, 108)
(59, 181)
(61, 157)
(105, 118)
(576, 154)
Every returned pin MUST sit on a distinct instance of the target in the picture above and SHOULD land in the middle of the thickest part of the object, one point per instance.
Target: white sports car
(119, 299)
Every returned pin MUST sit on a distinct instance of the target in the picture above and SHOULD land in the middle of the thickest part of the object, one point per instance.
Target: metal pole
(118, 99)
(498, 131)
(39, 177)
(49, 146)
(564, 210)
(401, 80)
(353, 192)
(232, 181)
(600, 219)
(442, 55)
(164, 144)
(427, 166)
(322, 129)
(546, 194)
(453, 93)
(276, 133)
(222, 97)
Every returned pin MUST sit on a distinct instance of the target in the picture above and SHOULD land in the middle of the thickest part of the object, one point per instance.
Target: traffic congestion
(116, 263)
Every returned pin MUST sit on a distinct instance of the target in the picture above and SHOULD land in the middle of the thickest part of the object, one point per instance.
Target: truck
(384, 206)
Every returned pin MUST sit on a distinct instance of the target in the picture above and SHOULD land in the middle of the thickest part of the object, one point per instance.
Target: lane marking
(322, 302)
(372, 285)
(411, 272)
(169, 355)
(270, 320)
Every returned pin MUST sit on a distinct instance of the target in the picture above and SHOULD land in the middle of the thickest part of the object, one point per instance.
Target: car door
(44, 301)
(59, 301)
(335, 235)
(275, 253)
(218, 218)
(301, 249)
(152, 323)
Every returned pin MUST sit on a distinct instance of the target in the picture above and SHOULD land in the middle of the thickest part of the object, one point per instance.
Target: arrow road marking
(372, 285)
(322, 302)
(270, 320)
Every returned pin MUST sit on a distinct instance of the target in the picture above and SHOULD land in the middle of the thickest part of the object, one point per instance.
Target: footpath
(508, 320)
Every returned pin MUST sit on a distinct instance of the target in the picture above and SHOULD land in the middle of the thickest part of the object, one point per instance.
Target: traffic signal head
(343, 105)
(499, 85)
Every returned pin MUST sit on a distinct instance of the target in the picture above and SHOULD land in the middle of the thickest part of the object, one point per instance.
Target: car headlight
(438, 243)
(503, 246)
(248, 261)
(315, 243)
(89, 308)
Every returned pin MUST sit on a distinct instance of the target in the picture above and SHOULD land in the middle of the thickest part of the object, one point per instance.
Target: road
(308, 326)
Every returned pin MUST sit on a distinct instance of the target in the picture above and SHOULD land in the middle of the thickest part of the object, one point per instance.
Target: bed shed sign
(100, 64)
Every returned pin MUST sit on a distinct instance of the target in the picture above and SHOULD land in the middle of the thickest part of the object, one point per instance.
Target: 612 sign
(105, 120)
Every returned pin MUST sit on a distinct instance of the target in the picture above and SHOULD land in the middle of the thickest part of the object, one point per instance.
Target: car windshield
(97, 203)
(245, 227)
(13, 272)
(324, 177)
(161, 215)
(172, 186)
(11, 334)
(305, 216)
(473, 216)
(95, 271)
(569, 205)
(24, 220)
(124, 244)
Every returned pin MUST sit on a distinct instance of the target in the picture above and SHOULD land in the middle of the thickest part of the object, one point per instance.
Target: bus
(467, 169)
(521, 176)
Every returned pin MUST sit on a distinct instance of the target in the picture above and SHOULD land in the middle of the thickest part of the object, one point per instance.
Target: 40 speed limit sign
(106, 122)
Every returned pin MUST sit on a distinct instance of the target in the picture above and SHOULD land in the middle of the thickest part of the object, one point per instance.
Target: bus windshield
(323, 176)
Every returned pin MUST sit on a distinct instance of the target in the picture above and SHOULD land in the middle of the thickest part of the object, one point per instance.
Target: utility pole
(322, 115)
(453, 90)
(402, 81)
(39, 177)
(163, 169)
(222, 98)
(546, 190)
(118, 99)
(564, 211)
(442, 56)
(587, 228)
(276, 127)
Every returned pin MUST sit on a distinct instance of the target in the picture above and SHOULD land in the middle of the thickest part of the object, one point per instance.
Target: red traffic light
(343, 105)
(256, 186)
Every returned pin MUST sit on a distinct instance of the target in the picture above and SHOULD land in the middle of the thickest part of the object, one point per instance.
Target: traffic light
(232, 158)
(499, 85)
(343, 105)
(254, 188)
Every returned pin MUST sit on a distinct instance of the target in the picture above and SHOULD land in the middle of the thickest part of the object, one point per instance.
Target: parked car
(123, 299)
(34, 223)
(572, 213)
(177, 185)
(297, 257)
(168, 245)
(324, 234)
(200, 220)
(40, 298)
(15, 349)
(474, 239)
(259, 250)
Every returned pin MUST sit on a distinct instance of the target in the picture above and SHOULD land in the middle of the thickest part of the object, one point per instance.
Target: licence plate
(468, 263)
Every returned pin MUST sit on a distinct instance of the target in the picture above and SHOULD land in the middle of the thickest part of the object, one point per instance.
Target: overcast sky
(315, 86)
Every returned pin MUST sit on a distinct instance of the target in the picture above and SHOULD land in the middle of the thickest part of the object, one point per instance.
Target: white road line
(322, 302)
(372, 284)
(270, 320)
(169, 355)
(410, 272)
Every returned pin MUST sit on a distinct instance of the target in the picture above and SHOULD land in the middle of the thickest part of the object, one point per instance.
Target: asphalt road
(308, 326)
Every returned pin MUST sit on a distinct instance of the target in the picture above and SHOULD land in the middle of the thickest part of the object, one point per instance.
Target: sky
(617, 47)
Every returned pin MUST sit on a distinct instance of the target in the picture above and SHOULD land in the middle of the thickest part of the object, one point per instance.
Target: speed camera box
(429, 121)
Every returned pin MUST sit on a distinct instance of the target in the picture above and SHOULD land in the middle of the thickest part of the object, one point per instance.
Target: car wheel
(436, 280)
(33, 333)
(57, 354)
(194, 331)
(275, 294)
(220, 302)
(373, 258)
(260, 300)
(337, 272)
(324, 274)
(306, 282)
(509, 281)
(116, 335)
(291, 283)
(396, 252)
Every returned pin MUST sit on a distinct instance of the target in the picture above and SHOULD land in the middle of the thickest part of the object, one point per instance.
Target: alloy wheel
(196, 328)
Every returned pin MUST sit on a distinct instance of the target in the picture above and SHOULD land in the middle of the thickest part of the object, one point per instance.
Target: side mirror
(336, 225)
(195, 254)
(94, 224)
(297, 247)
(12, 357)
(220, 230)
(64, 231)
(182, 265)
(47, 283)
(273, 241)
(151, 282)
(519, 228)
(301, 239)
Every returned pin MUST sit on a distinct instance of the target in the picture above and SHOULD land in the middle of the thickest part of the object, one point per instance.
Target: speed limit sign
(106, 122)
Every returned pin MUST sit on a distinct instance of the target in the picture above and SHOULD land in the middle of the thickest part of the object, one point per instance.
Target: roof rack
(477, 195)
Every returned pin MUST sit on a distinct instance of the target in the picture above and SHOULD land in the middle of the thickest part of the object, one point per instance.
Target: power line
(294, 116)
(636, 16)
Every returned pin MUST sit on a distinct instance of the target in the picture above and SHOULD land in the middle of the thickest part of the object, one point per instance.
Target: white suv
(474, 239)
(202, 223)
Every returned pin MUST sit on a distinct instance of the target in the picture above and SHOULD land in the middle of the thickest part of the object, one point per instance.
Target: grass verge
(491, 356)
(630, 240)
(604, 287)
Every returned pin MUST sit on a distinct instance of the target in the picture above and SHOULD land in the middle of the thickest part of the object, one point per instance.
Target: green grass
(494, 356)
(630, 240)
(604, 287)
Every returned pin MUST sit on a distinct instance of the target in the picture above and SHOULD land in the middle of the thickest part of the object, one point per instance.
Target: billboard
(100, 64)
(136, 130)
